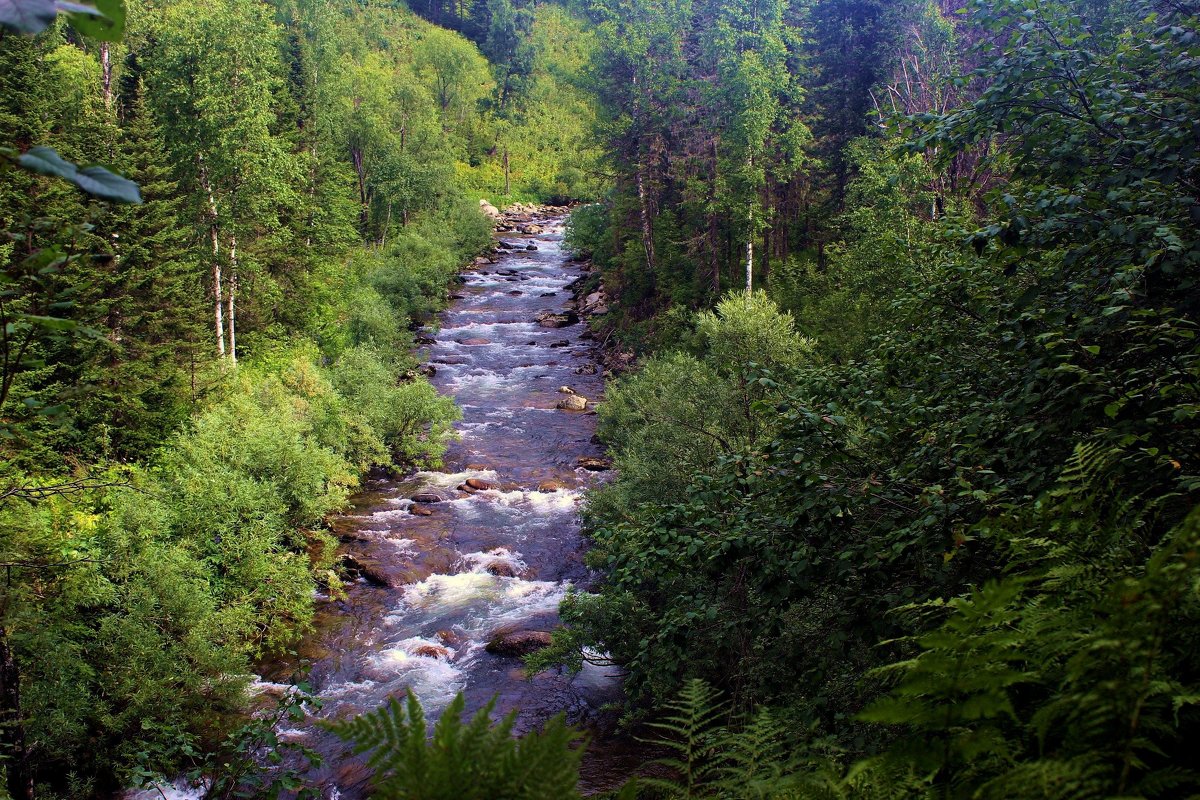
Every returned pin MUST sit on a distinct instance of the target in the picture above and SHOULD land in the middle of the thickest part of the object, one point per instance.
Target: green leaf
(105, 22)
(100, 182)
(45, 161)
(94, 180)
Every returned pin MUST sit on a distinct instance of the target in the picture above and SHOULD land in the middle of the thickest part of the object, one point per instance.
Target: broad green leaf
(94, 180)
(105, 22)
(102, 183)
(45, 161)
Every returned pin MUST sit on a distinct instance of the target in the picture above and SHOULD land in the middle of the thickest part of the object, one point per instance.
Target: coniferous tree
(147, 368)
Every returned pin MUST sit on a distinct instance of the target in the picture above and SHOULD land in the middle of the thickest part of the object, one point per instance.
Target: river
(479, 563)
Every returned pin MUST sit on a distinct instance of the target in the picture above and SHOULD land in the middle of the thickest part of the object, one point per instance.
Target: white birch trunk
(750, 254)
(215, 236)
(750, 238)
(233, 287)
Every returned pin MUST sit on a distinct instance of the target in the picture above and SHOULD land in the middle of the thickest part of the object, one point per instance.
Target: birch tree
(212, 77)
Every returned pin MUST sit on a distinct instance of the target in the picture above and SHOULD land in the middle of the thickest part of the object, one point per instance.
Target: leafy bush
(411, 418)
(586, 232)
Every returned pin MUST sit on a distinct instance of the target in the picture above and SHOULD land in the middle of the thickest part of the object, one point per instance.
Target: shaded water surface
(480, 564)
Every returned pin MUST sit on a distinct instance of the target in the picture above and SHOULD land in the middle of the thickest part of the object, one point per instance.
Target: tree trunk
(356, 158)
(750, 235)
(644, 213)
(215, 236)
(233, 287)
(106, 74)
(507, 186)
(12, 726)
(750, 254)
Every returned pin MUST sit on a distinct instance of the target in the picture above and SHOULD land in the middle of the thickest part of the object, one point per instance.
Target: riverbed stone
(557, 320)
(518, 643)
(479, 484)
(501, 569)
(572, 402)
(363, 568)
(427, 497)
(594, 463)
(430, 651)
(418, 510)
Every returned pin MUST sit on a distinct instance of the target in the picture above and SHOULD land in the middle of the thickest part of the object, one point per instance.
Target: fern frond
(690, 727)
(475, 760)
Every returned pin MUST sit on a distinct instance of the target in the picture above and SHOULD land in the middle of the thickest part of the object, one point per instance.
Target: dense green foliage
(194, 382)
(476, 760)
(941, 517)
(907, 473)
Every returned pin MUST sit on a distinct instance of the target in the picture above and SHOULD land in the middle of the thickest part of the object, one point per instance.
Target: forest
(902, 298)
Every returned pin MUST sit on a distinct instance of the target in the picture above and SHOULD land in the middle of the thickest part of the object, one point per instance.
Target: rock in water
(572, 402)
(550, 486)
(420, 511)
(518, 643)
(593, 463)
(557, 320)
(431, 651)
(367, 570)
(427, 497)
(479, 484)
(501, 569)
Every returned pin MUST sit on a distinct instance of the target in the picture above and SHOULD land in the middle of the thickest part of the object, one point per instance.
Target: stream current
(482, 563)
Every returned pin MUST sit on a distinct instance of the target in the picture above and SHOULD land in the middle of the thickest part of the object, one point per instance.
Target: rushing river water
(481, 563)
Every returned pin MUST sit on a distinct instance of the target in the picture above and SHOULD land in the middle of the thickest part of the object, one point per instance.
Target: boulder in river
(557, 320)
(594, 463)
(478, 484)
(430, 651)
(366, 570)
(531, 247)
(572, 402)
(550, 486)
(474, 341)
(427, 497)
(559, 343)
(518, 643)
(501, 569)
(416, 509)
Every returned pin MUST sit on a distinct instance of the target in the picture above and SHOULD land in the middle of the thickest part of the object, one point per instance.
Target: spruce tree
(148, 295)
